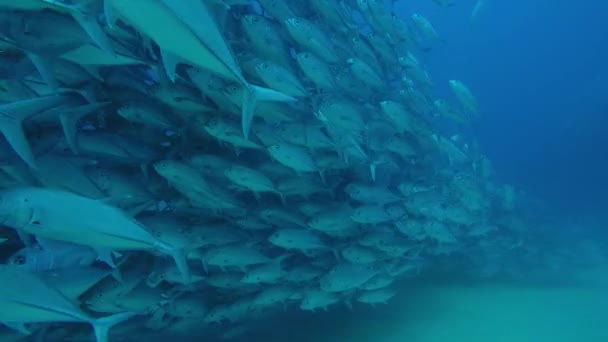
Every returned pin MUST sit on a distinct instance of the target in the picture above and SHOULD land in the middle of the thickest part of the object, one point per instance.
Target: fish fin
(251, 96)
(27, 239)
(69, 119)
(282, 197)
(91, 26)
(179, 255)
(348, 304)
(248, 111)
(108, 12)
(93, 70)
(156, 321)
(105, 256)
(337, 254)
(257, 197)
(145, 171)
(372, 170)
(170, 62)
(45, 69)
(138, 209)
(18, 326)
(103, 325)
(322, 176)
(12, 116)
(50, 244)
(117, 275)
(267, 94)
(12, 130)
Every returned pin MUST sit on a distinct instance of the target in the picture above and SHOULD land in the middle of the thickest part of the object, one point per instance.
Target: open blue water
(539, 70)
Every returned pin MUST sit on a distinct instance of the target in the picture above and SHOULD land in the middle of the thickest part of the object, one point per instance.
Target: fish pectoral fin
(251, 96)
(18, 326)
(27, 239)
(12, 129)
(170, 62)
(105, 255)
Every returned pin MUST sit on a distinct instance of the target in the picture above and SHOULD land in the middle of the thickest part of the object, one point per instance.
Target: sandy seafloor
(474, 312)
(436, 310)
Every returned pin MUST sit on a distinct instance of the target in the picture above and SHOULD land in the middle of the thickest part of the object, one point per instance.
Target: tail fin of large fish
(103, 325)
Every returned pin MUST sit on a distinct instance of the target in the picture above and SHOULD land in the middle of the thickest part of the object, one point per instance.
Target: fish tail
(69, 118)
(251, 96)
(103, 325)
(45, 69)
(248, 110)
(89, 23)
(12, 130)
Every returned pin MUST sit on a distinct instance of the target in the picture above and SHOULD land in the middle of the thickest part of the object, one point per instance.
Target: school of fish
(179, 165)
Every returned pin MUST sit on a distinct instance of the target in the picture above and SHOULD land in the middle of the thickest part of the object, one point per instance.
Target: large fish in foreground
(200, 43)
(64, 216)
(26, 298)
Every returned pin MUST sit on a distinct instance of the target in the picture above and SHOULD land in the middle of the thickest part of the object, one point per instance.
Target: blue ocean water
(539, 70)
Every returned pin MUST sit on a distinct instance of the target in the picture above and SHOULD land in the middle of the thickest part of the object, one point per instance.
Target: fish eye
(255, 20)
(20, 260)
